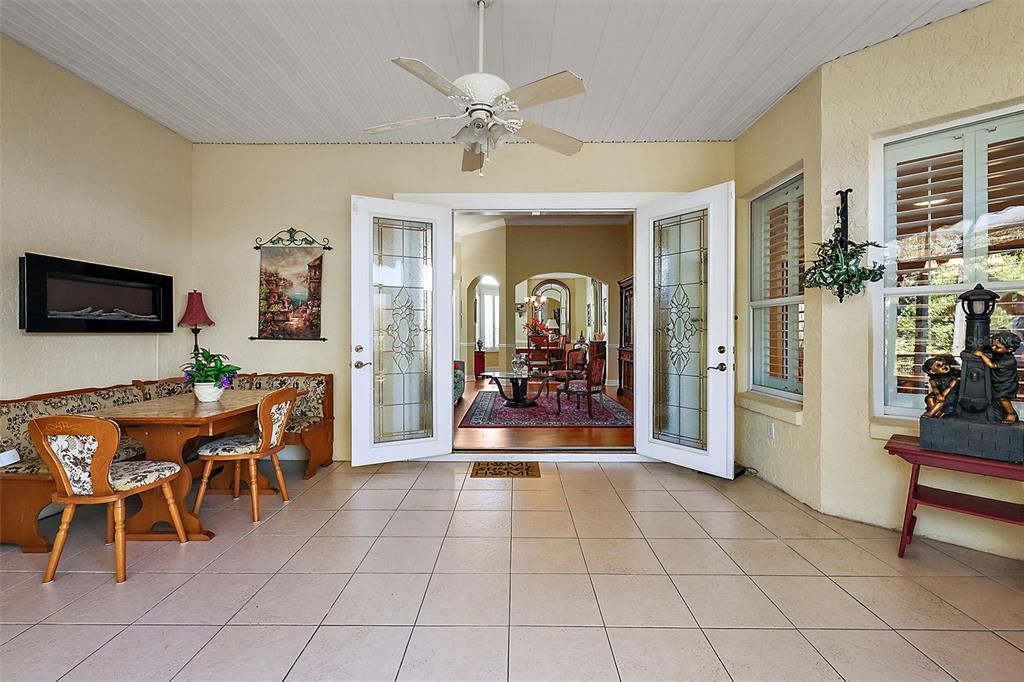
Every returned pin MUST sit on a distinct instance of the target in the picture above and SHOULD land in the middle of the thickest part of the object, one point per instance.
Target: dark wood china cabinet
(626, 336)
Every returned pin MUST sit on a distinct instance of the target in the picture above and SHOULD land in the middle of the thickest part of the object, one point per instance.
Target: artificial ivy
(838, 267)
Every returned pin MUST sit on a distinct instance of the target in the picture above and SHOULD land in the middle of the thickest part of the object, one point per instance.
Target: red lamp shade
(195, 312)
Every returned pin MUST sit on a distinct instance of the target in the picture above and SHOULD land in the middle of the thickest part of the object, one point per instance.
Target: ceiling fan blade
(430, 77)
(472, 161)
(552, 139)
(555, 86)
(397, 125)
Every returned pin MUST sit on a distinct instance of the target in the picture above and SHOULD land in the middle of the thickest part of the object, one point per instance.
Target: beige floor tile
(9, 579)
(418, 524)
(986, 564)
(439, 481)
(1015, 638)
(389, 481)
(481, 524)
(539, 500)
(439, 500)
(340, 481)
(144, 652)
(841, 557)
(554, 600)
(686, 481)
(349, 522)
(484, 483)
(375, 499)
(727, 601)
(675, 524)
(620, 556)
(648, 500)
(756, 497)
(543, 524)
(292, 599)
(120, 603)
(339, 652)
(45, 652)
(1014, 582)
(257, 554)
(775, 655)
(9, 631)
(767, 557)
(561, 653)
(697, 557)
(401, 467)
(466, 599)
(874, 655)
(704, 500)
(31, 601)
(190, 557)
(594, 500)
(100, 558)
(793, 524)
(474, 555)
(319, 498)
(269, 650)
(592, 481)
(903, 604)
(919, 559)
(970, 655)
(547, 555)
(633, 480)
(731, 525)
(379, 599)
(294, 522)
(206, 599)
(447, 467)
(993, 605)
(613, 524)
(401, 555)
(852, 529)
(641, 601)
(579, 468)
(545, 482)
(329, 554)
(484, 500)
(816, 602)
(665, 655)
(456, 653)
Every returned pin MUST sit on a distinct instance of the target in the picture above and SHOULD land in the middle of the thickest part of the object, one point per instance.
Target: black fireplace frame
(33, 270)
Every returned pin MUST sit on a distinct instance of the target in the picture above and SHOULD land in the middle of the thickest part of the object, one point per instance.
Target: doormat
(489, 410)
(505, 470)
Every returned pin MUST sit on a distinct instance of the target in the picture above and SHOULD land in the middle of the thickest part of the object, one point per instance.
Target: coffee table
(520, 387)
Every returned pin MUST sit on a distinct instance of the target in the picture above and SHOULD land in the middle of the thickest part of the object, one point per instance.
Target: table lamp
(195, 317)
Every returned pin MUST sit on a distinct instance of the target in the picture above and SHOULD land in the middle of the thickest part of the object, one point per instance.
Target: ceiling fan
(484, 99)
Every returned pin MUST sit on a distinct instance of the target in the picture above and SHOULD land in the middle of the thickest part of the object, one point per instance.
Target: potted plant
(535, 327)
(209, 375)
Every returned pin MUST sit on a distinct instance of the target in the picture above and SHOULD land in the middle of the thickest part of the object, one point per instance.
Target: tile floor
(415, 572)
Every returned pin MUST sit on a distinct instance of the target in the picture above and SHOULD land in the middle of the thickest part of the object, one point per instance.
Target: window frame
(755, 303)
(484, 293)
(877, 220)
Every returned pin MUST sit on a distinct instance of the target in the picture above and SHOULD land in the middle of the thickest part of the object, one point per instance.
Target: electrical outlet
(771, 430)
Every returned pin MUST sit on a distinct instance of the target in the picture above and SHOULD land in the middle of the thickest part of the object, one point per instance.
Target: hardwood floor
(537, 438)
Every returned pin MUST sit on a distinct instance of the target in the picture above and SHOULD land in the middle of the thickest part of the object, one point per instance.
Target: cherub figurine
(943, 379)
(1003, 367)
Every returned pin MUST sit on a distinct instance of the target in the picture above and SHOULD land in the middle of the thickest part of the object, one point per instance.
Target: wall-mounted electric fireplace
(61, 295)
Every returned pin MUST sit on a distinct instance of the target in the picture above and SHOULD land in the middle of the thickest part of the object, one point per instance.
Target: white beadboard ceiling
(262, 71)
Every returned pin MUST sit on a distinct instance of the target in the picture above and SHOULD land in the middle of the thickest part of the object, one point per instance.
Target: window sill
(777, 408)
(884, 428)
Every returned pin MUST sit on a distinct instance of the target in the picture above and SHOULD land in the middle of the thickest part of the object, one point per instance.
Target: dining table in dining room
(164, 426)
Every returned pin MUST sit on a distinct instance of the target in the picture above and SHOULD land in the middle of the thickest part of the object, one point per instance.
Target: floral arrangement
(209, 368)
(534, 326)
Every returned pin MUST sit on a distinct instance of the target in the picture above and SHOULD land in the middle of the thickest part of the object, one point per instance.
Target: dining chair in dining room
(272, 415)
(592, 384)
(79, 451)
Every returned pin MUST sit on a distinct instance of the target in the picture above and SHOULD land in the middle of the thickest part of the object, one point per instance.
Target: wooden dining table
(164, 426)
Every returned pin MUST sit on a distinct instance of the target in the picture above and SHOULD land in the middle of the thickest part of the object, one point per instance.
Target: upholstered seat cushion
(578, 385)
(297, 424)
(243, 444)
(130, 475)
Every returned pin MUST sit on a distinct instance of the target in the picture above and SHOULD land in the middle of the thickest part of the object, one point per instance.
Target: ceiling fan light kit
(484, 99)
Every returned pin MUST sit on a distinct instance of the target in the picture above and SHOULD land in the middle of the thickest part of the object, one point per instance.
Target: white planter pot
(208, 392)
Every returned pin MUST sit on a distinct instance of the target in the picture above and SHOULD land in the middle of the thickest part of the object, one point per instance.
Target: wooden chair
(79, 452)
(574, 366)
(592, 385)
(273, 414)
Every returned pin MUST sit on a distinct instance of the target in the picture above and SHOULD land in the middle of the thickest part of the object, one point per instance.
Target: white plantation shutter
(776, 295)
(954, 217)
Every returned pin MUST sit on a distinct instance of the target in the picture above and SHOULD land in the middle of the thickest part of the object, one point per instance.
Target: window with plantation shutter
(954, 217)
(776, 295)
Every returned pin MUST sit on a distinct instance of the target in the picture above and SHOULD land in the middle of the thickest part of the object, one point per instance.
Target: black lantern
(978, 304)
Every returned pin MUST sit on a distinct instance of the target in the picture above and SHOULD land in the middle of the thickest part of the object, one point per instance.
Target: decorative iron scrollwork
(292, 236)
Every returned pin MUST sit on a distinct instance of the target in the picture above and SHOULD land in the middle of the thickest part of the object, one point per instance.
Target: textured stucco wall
(86, 177)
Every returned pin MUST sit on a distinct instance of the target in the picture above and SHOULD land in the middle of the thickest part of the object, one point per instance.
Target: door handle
(721, 367)
(359, 364)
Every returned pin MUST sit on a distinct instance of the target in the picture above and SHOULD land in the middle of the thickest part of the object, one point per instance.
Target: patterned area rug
(505, 470)
(488, 410)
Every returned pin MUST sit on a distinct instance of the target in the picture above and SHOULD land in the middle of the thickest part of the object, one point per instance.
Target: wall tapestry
(291, 274)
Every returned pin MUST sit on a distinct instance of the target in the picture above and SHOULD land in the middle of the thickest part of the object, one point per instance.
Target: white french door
(402, 330)
(683, 330)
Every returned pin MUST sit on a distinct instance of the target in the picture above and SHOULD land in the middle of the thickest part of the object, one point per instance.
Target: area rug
(505, 470)
(488, 410)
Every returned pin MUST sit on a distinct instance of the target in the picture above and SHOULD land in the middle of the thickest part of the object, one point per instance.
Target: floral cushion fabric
(299, 424)
(231, 445)
(115, 396)
(278, 413)
(130, 475)
(75, 455)
(578, 385)
(26, 466)
(164, 388)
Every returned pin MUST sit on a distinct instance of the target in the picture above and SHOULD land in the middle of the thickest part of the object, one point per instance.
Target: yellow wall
(86, 177)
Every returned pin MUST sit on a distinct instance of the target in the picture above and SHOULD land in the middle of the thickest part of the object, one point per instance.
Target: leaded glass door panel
(401, 330)
(684, 362)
